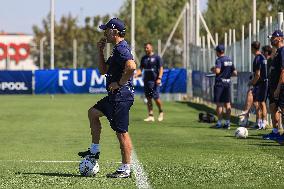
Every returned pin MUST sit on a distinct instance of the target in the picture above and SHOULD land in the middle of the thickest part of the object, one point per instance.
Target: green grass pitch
(177, 153)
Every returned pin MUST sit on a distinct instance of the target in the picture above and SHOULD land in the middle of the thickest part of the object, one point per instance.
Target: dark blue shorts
(151, 89)
(222, 94)
(260, 92)
(117, 113)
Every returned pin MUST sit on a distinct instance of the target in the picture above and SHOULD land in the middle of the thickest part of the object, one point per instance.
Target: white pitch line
(140, 174)
(47, 161)
(40, 161)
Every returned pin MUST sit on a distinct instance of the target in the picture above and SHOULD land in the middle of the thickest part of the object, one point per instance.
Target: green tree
(154, 21)
(221, 16)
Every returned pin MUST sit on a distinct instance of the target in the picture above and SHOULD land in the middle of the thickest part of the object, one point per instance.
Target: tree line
(154, 21)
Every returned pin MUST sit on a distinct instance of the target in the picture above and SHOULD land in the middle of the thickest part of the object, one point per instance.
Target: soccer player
(152, 65)
(276, 82)
(119, 69)
(224, 69)
(260, 84)
(244, 115)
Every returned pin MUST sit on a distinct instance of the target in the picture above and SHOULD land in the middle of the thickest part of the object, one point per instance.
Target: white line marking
(140, 174)
(47, 161)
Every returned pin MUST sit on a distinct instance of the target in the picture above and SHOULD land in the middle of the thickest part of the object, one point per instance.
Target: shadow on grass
(266, 144)
(51, 174)
(204, 108)
(248, 138)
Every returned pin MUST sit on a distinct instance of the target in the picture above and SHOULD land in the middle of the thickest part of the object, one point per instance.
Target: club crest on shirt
(228, 63)
(152, 59)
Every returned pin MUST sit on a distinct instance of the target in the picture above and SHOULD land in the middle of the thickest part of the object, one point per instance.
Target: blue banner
(16, 82)
(90, 81)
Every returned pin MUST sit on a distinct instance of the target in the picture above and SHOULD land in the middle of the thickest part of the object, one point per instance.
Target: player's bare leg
(219, 111)
(159, 105)
(263, 116)
(124, 170)
(228, 115)
(150, 110)
(95, 126)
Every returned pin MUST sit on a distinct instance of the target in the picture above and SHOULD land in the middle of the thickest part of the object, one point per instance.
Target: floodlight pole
(254, 21)
(42, 40)
(52, 34)
(133, 26)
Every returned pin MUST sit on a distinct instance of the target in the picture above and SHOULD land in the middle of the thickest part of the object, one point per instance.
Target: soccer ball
(88, 167)
(241, 132)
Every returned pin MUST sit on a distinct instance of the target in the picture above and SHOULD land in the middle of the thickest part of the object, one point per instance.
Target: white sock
(227, 121)
(94, 148)
(264, 123)
(259, 122)
(124, 167)
(275, 130)
(219, 122)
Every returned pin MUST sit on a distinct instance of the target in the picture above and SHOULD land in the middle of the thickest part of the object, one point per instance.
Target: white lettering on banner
(96, 79)
(138, 80)
(75, 78)
(18, 86)
(62, 76)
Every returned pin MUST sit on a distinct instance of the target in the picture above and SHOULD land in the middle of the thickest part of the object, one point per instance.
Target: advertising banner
(16, 82)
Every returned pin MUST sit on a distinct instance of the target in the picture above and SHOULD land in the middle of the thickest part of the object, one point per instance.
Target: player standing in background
(276, 82)
(244, 115)
(152, 65)
(260, 84)
(119, 69)
(224, 70)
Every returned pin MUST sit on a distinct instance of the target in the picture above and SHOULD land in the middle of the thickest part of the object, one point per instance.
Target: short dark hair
(267, 49)
(148, 43)
(255, 45)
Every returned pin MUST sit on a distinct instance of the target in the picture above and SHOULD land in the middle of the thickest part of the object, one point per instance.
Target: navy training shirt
(151, 66)
(227, 67)
(121, 53)
(275, 69)
(260, 63)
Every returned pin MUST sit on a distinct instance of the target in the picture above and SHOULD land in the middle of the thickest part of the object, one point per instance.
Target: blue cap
(114, 23)
(220, 48)
(276, 33)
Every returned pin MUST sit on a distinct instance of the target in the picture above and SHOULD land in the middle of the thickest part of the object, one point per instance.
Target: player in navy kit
(224, 69)
(152, 65)
(119, 69)
(276, 85)
(260, 84)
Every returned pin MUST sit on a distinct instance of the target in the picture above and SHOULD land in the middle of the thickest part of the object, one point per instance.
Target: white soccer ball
(88, 167)
(241, 132)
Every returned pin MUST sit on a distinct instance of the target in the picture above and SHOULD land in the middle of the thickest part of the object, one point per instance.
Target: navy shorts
(260, 92)
(280, 101)
(117, 113)
(151, 89)
(222, 94)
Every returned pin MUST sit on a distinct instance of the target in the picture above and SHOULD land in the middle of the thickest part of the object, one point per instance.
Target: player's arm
(128, 72)
(103, 67)
(161, 70)
(235, 73)
(280, 82)
(138, 73)
(256, 77)
(217, 68)
(129, 69)
(281, 79)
